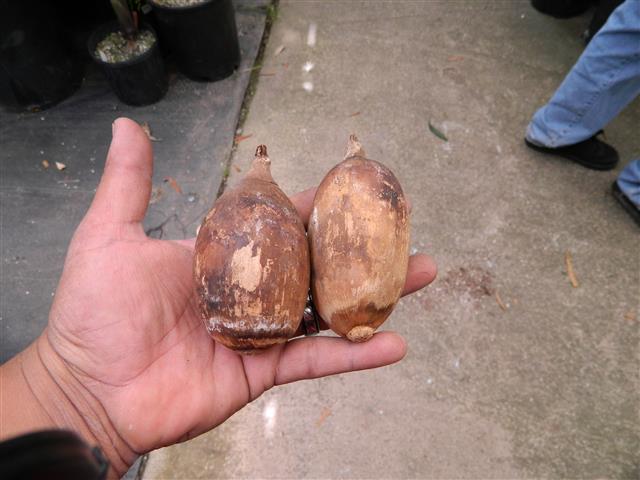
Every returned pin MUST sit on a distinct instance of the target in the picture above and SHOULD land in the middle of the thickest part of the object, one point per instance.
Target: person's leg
(604, 80)
(629, 181)
(626, 189)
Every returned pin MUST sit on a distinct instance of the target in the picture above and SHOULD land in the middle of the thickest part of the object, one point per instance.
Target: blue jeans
(604, 80)
(629, 181)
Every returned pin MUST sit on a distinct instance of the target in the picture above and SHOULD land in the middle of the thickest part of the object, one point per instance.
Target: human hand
(125, 341)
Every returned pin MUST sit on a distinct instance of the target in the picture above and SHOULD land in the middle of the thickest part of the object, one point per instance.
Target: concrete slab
(40, 208)
(544, 385)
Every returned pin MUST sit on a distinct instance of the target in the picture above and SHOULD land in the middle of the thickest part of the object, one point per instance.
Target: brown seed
(251, 263)
(359, 237)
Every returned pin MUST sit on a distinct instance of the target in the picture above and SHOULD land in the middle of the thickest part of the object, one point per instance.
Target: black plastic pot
(37, 69)
(202, 38)
(139, 81)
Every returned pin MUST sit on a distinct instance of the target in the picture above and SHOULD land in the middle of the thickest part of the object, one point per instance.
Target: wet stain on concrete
(473, 281)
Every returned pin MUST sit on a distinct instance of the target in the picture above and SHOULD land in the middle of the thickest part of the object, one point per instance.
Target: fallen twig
(147, 129)
(500, 302)
(174, 184)
(568, 260)
(251, 69)
(326, 412)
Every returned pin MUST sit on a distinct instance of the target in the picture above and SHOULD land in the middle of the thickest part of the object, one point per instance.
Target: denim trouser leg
(629, 181)
(605, 79)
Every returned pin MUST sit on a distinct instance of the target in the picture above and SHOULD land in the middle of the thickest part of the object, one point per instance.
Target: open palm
(125, 321)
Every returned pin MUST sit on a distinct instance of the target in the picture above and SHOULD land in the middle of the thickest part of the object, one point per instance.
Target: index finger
(305, 358)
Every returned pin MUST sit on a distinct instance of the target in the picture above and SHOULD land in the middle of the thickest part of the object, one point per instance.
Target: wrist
(39, 391)
(21, 411)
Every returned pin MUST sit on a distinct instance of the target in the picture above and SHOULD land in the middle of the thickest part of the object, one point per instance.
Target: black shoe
(604, 8)
(591, 153)
(627, 204)
(562, 8)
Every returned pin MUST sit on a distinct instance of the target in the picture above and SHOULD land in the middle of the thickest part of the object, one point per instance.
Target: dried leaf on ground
(60, 166)
(324, 414)
(156, 195)
(354, 114)
(237, 168)
(147, 129)
(455, 58)
(240, 138)
(631, 316)
(173, 184)
(568, 260)
(45, 163)
(437, 132)
(500, 302)
(279, 50)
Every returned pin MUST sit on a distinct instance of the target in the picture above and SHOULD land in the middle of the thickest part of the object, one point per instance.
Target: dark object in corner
(37, 68)
(631, 208)
(51, 455)
(562, 8)
(203, 38)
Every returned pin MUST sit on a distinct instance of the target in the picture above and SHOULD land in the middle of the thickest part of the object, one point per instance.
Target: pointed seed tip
(261, 151)
(354, 147)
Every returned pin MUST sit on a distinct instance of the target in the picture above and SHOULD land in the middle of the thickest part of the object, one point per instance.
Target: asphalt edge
(271, 15)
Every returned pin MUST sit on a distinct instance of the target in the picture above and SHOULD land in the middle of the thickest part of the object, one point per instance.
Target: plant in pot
(201, 35)
(129, 55)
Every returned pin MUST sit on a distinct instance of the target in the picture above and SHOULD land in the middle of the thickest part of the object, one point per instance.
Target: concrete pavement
(511, 371)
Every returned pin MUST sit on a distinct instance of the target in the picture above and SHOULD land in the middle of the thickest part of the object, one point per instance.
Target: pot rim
(184, 8)
(110, 27)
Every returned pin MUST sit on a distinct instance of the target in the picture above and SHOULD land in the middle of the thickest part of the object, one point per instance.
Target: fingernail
(114, 127)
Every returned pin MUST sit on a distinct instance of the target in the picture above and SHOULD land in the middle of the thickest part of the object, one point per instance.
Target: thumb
(123, 193)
